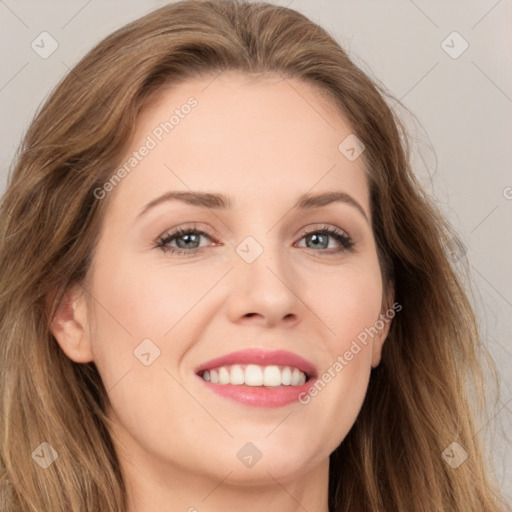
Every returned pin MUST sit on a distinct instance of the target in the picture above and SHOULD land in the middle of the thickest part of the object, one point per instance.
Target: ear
(379, 339)
(383, 324)
(70, 325)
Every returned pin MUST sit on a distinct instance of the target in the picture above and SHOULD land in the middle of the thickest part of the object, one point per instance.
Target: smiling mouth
(255, 375)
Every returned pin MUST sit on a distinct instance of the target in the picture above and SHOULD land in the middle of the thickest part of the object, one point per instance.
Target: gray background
(462, 126)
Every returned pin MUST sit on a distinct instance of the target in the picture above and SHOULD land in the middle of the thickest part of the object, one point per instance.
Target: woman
(224, 289)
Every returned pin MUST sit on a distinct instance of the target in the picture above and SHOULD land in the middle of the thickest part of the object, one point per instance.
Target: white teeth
(271, 376)
(223, 375)
(237, 375)
(298, 378)
(255, 375)
(286, 376)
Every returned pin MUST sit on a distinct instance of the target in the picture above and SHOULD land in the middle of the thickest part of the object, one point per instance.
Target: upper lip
(263, 358)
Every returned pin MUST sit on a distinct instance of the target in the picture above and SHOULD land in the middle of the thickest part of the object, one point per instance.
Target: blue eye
(187, 241)
(320, 237)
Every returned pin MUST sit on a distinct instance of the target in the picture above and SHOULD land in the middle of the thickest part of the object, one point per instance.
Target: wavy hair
(427, 391)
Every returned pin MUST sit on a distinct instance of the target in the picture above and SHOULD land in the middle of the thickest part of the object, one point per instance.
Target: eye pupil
(189, 237)
(316, 239)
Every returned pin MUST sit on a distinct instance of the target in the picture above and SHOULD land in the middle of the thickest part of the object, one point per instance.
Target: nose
(264, 291)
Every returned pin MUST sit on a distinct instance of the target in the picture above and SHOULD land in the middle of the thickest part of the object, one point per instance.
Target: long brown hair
(426, 393)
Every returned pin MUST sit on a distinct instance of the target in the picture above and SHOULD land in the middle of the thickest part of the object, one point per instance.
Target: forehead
(253, 138)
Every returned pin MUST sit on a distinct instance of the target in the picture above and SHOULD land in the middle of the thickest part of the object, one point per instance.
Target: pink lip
(255, 395)
(260, 396)
(263, 358)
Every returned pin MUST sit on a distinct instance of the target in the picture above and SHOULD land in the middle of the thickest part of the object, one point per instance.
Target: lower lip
(259, 396)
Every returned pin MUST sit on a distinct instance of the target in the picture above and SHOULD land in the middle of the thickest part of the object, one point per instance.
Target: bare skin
(264, 145)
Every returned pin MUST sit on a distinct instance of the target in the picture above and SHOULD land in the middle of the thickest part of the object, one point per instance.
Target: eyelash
(345, 241)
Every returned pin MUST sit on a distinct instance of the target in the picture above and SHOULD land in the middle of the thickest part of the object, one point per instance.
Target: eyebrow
(223, 202)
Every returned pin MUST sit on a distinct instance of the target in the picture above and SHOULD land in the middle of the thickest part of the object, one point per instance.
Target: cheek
(144, 303)
(134, 305)
(347, 300)
(349, 303)
(138, 311)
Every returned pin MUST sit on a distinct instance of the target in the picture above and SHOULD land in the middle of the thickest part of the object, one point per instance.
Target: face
(178, 282)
